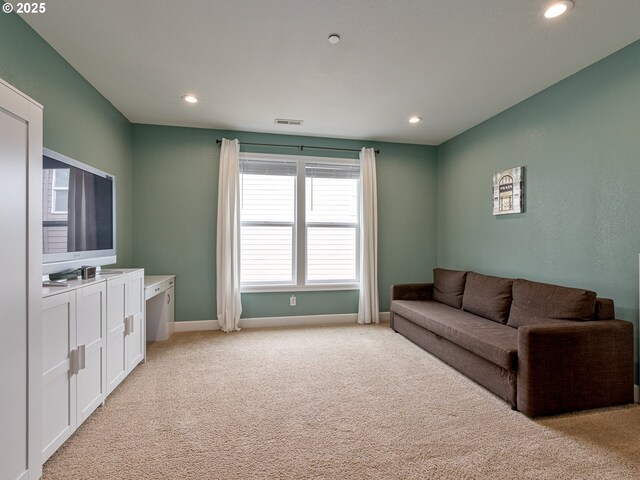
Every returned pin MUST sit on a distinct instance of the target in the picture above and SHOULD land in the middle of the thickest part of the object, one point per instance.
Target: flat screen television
(78, 214)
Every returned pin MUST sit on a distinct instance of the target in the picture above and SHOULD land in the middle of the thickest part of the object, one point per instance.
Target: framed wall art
(508, 191)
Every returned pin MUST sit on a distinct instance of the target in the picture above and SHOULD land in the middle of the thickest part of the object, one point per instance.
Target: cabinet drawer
(167, 284)
(157, 289)
(152, 291)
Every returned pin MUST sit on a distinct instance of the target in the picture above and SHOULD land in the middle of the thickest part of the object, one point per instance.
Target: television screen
(78, 214)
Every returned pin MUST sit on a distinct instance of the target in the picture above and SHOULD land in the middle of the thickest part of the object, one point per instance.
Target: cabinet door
(116, 312)
(91, 336)
(169, 311)
(58, 382)
(136, 338)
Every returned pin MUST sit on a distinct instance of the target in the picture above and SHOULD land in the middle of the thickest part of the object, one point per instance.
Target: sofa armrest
(605, 310)
(577, 366)
(410, 291)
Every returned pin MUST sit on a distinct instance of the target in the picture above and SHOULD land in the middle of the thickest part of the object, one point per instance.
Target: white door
(58, 381)
(136, 338)
(91, 334)
(116, 312)
(20, 290)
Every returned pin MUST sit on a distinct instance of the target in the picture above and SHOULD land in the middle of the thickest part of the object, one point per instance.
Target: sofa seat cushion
(492, 341)
(448, 286)
(536, 303)
(487, 296)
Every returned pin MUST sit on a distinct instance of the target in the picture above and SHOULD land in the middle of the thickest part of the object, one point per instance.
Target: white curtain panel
(227, 244)
(368, 308)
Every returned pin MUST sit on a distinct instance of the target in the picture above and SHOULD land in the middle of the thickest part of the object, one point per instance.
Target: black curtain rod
(301, 147)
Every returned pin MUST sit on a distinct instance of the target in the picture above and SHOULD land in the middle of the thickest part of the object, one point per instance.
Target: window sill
(299, 288)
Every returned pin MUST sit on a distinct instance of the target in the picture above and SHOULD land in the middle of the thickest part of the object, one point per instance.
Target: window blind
(327, 170)
(268, 167)
(267, 227)
(331, 222)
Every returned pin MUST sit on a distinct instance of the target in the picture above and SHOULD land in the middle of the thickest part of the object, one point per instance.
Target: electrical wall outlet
(292, 301)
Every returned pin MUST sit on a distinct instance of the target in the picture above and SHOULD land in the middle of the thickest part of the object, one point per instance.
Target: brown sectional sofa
(543, 348)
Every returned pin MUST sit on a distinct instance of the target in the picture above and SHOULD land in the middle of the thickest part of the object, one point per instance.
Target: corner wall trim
(636, 393)
(263, 322)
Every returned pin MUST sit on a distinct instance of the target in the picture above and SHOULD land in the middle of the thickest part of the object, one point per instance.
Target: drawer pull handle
(157, 289)
(168, 298)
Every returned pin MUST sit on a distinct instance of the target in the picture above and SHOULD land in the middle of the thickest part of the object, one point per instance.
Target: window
(267, 213)
(60, 191)
(299, 222)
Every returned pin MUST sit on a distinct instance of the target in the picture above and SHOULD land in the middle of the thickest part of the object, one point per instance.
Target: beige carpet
(342, 402)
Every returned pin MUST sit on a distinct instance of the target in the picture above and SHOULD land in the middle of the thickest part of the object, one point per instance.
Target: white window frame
(299, 253)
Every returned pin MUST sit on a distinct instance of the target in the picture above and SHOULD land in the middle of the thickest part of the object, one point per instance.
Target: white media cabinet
(93, 337)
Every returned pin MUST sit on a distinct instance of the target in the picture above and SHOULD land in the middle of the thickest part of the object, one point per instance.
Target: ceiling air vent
(287, 121)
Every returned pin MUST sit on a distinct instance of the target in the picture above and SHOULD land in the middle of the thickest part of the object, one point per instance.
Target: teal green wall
(78, 121)
(580, 143)
(578, 140)
(175, 206)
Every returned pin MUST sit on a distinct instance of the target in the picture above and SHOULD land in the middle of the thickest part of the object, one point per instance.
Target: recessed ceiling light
(415, 119)
(558, 8)
(334, 38)
(190, 98)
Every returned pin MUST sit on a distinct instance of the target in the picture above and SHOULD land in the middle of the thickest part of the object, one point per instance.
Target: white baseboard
(262, 322)
(298, 321)
(196, 326)
(636, 393)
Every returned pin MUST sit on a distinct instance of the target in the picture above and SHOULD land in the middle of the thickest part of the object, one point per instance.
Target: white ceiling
(453, 62)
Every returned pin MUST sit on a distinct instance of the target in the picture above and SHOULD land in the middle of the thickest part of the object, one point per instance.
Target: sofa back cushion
(448, 286)
(488, 297)
(540, 303)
